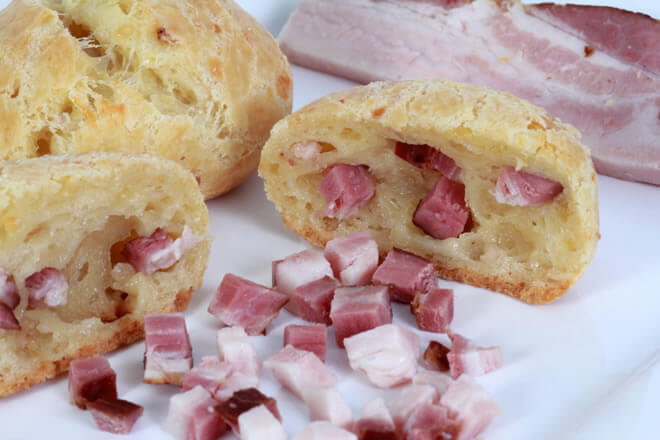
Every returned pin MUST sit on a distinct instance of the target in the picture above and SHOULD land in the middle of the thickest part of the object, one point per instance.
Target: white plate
(583, 367)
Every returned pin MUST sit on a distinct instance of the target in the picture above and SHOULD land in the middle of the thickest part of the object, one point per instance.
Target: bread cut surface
(534, 253)
(75, 213)
(196, 81)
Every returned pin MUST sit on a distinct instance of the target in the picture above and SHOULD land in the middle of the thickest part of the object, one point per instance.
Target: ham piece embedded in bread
(116, 416)
(443, 212)
(312, 338)
(353, 258)
(518, 188)
(596, 68)
(297, 370)
(346, 189)
(312, 300)
(47, 288)
(8, 291)
(240, 302)
(167, 349)
(8, 320)
(427, 157)
(159, 250)
(91, 379)
(406, 274)
(358, 309)
(467, 358)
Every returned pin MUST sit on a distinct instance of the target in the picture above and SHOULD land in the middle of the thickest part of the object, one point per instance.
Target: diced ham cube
(168, 353)
(47, 288)
(346, 189)
(324, 431)
(430, 421)
(115, 416)
(239, 302)
(327, 403)
(91, 379)
(307, 337)
(406, 274)
(518, 188)
(8, 291)
(375, 422)
(259, 424)
(427, 157)
(312, 300)
(297, 270)
(408, 399)
(357, 309)
(159, 250)
(435, 356)
(236, 382)
(210, 374)
(242, 401)
(192, 416)
(434, 310)
(387, 354)
(470, 407)
(353, 258)
(297, 370)
(467, 358)
(235, 348)
(8, 320)
(443, 213)
(438, 380)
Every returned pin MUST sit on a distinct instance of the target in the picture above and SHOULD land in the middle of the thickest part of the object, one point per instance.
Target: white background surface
(584, 367)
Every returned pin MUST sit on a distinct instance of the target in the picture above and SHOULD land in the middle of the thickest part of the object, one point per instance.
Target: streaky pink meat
(438, 380)
(8, 320)
(47, 288)
(297, 270)
(346, 189)
(297, 370)
(443, 213)
(259, 423)
(467, 358)
(406, 274)
(210, 374)
(375, 422)
(167, 349)
(236, 381)
(240, 302)
(434, 310)
(312, 300)
(242, 401)
(357, 309)
(470, 407)
(115, 416)
(610, 94)
(427, 157)
(409, 398)
(159, 250)
(192, 416)
(519, 188)
(327, 403)
(353, 257)
(387, 355)
(234, 348)
(91, 379)
(307, 337)
(323, 430)
(430, 421)
(435, 356)
(8, 291)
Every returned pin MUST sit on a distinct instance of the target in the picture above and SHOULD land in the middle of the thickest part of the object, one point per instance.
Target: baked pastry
(491, 189)
(199, 82)
(92, 243)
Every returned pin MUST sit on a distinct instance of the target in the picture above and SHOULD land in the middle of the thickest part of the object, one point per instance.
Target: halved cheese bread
(200, 82)
(530, 247)
(76, 215)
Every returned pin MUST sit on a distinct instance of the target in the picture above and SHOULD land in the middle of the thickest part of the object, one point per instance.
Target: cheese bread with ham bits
(491, 189)
(89, 244)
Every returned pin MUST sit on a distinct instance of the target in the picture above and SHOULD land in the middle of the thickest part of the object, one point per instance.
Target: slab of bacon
(167, 349)
(116, 416)
(91, 379)
(358, 309)
(406, 274)
(324, 431)
(307, 337)
(298, 370)
(353, 258)
(239, 302)
(235, 349)
(596, 68)
(158, 251)
(346, 189)
(327, 403)
(467, 358)
(434, 310)
(47, 288)
(259, 423)
(443, 213)
(192, 416)
(312, 300)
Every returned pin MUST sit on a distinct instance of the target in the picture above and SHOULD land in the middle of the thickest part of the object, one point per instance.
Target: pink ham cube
(297, 370)
(307, 337)
(235, 349)
(236, 382)
(436, 379)
(327, 403)
(354, 258)
(469, 407)
(427, 157)
(518, 188)
(346, 189)
(192, 416)
(47, 288)
(358, 309)
(259, 423)
(323, 430)
(8, 291)
(159, 250)
(386, 354)
(91, 379)
(210, 374)
(312, 300)
(406, 274)
(8, 320)
(467, 358)
(435, 356)
(115, 416)
(168, 353)
(434, 310)
(443, 212)
(408, 399)
(430, 421)
(242, 401)
(375, 422)
(239, 302)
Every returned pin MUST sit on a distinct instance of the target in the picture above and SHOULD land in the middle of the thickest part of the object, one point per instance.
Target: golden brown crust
(533, 253)
(199, 82)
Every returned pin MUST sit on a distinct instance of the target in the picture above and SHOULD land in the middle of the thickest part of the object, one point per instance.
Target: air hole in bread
(42, 142)
(86, 40)
(186, 97)
(117, 249)
(327, 148)
(67, 107)
(102, 90)
(124, 304)
(82, 273)
(16, 91)
(125, 6)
